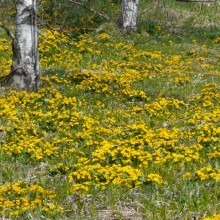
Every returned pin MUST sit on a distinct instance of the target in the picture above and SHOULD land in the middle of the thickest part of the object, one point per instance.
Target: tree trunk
(129, 14)
(25, 67)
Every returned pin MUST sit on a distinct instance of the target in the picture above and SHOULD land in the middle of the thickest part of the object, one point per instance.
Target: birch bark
(25, 67)
(129, 14)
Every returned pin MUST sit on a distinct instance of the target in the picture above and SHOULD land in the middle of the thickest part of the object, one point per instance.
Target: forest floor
(122, 127)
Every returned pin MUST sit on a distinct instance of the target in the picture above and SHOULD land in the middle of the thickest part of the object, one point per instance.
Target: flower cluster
(208, 172)
(19, 197)
(213, 217)
(129, 117)
(216, 41)
(104, 36)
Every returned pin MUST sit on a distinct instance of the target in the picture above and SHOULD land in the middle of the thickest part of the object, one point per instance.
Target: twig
(9, 76)
(90, 9)
(48, 26)
(7, 30)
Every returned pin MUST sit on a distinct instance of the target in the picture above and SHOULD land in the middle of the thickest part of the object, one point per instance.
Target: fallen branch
(43, 23)
(90, 9)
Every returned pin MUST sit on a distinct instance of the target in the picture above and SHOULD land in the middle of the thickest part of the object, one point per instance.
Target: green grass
(123, 126)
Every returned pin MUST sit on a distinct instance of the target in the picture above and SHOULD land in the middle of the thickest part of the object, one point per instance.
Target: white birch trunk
(25, 67)
(129, 14)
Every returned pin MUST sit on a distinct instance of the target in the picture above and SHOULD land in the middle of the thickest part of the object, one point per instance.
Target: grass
(123, 126)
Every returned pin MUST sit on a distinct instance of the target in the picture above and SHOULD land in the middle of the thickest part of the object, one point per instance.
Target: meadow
(124, 126)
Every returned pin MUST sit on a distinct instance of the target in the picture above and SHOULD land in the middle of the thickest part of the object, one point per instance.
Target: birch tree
(25, 66)
(129, 15)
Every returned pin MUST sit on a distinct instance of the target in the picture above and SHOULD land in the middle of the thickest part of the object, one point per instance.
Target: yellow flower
(104, 36)
(213, 217)
(154, 178)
